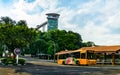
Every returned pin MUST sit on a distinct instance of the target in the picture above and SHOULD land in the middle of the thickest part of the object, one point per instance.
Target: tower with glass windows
(52, 21)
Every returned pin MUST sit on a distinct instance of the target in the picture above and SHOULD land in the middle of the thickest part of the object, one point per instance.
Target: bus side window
(62, 56)
(83, 55)
(76, 54)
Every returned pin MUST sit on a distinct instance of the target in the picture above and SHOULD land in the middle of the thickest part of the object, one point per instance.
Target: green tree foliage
(51, 47)
(22, 23)
(56, 40)
(15, 36)
(88, 44)
(61, 40)
(18, 35)
(38, 46)
(7, 21)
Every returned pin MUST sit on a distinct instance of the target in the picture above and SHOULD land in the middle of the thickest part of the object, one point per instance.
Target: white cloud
(97, 29)
(21, 8)
(94, 33)
(111, 12)
(108, 39)
(100, 16)
(65, 19)
(109, 16)
(113, 21)
(4, 10)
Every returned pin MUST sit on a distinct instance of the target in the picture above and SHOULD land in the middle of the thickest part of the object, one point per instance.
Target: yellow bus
(79, 57)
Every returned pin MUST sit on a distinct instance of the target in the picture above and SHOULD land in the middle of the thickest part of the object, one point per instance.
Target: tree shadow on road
(17, 69)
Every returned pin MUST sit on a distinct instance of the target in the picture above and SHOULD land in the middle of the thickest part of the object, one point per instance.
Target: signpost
(17, 51)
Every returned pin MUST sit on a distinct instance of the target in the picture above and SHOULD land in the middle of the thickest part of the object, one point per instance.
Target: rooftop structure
(104, 49)
(52, 21)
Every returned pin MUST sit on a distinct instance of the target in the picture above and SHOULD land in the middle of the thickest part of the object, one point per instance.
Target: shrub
(21, 61)
(3, 60)
(7, 61)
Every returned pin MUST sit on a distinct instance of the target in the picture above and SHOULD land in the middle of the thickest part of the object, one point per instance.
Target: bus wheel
(63, 62)
(77, 62)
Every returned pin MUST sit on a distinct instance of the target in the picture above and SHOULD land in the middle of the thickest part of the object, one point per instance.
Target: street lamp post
(6, 53)
(54, 51)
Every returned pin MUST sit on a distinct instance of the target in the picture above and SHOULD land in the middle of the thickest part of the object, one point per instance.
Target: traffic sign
(17, 51)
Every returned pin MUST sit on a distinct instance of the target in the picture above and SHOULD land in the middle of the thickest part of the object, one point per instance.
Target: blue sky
(94, 20)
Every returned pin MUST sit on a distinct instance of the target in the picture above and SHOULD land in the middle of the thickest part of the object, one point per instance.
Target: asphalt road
(37, 67)
(34, 69)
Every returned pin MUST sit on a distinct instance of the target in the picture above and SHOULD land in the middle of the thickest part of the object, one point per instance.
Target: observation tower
(52, 21)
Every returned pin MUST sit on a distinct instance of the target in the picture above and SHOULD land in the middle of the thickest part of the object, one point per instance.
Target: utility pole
(54, 50)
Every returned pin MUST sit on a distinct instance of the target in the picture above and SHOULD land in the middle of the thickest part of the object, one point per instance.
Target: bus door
(91, 57)
(83, 58)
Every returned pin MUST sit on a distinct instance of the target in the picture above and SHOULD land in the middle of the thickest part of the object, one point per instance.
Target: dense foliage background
(31, 41)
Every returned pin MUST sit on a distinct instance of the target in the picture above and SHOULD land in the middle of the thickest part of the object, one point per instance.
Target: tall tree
(88, 44)
(15, 36)
(62, 40)
(38, 46)
(7, 21)
(22, 23)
